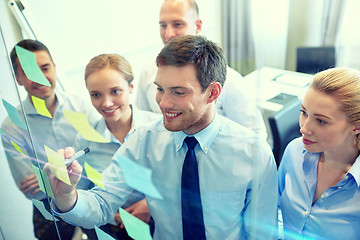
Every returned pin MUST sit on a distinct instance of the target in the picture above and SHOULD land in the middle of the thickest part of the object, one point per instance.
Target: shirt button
(322, 196)
(339, 187)
(177, 145)
(346, 177)
(205, 148)
(306, 212)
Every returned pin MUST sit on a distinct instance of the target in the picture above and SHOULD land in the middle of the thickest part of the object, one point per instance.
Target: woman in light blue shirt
(109, 82)
(319, 175)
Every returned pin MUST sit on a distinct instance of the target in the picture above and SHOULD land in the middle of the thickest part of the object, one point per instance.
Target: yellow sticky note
(40, 106)
(17, 147)
(81, 124)
(93, 175)
(57, 165)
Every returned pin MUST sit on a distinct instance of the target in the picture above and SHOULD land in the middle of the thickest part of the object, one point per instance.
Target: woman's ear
(214, 91)
(131, 88)
(356, 130)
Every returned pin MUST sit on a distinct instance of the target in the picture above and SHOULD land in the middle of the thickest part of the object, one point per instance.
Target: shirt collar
(205, 137)
(30, 109)
(105, 132)
(311, 161)
(355, 170)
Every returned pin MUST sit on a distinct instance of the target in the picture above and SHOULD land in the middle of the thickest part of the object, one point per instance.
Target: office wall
(76, 31)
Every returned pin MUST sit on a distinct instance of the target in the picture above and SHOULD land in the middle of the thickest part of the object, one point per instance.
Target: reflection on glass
(42, 110)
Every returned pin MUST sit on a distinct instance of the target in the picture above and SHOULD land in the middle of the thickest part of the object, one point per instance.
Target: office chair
(284, 126)
(314, 59)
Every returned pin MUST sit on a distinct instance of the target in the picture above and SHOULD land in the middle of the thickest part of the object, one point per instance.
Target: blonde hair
(113, 61)
(344, 85)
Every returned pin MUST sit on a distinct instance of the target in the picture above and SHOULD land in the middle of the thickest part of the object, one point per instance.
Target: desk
(266, 83)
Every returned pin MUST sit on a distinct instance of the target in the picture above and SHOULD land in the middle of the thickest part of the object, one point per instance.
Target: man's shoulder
(239, 134)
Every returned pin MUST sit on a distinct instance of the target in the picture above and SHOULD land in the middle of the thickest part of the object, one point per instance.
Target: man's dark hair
(28, 44)
(206, 55)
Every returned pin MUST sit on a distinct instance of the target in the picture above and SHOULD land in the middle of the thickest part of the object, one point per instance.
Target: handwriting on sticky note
(57, 165)
(81, 124)
(94, 175)
(28, 63)
(14, 115)
(40, 106)
(136, 228)
(138, 177)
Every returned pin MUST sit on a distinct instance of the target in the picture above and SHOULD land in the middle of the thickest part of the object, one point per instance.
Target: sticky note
(14, 115)
(40, 205)
(138, 177)
(40, 106)
(102, 235)
(136, 228)
(80, 122)
(28, 63)
(43, 180)
(57, 165)
(94, 175)
(17, 147)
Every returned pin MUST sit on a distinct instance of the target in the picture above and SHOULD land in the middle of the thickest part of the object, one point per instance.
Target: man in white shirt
(179, 18)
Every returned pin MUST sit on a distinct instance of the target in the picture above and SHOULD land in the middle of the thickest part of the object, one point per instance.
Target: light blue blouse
(335, 215)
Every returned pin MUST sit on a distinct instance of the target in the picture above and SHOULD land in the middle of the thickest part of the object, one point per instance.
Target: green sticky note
(49, 191)
(80, 122)
(94, 175)
(14, 115)
(28, 63)
(136, 228)
(40, 205)
(102, 235)
(40, 106)
(138, 177)
(43, 180)
(17, 147)
(57, 165)
(38, 177)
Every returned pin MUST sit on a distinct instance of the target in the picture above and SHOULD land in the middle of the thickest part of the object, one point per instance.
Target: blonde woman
(109, 79)
(319, 175)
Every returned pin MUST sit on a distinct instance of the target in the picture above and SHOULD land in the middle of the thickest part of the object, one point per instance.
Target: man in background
(179, 18)
(55, 132)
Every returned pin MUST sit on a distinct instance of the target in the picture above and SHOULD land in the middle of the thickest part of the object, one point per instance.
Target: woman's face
(323, 126)
(109, 93)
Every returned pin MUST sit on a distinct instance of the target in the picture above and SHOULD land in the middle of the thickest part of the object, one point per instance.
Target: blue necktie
(192, 214)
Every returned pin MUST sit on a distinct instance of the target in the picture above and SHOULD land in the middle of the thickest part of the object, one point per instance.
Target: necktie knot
(191, 142)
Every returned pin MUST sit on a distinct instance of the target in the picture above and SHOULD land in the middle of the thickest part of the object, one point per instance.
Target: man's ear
(198, 24)
(214, 91)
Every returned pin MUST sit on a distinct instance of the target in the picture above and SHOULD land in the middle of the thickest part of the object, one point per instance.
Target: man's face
(47, 66)
(177, 19)
(183, 104)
